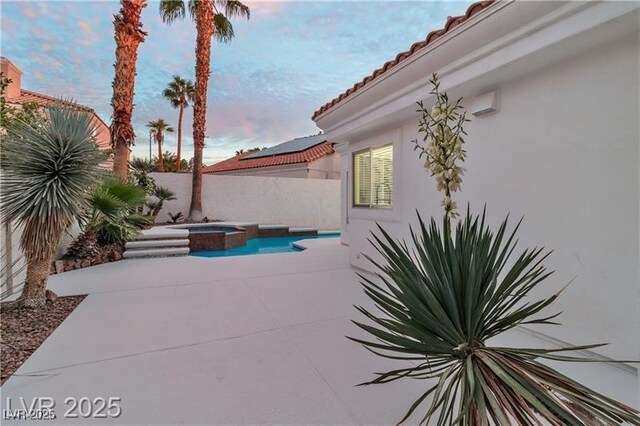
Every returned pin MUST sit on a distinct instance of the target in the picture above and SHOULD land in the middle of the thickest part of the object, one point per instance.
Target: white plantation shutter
(382, 176)
(362, 178)
(373, 177)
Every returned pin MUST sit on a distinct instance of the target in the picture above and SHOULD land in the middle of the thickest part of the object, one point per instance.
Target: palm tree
(179, 92)
(157, 129)
(46, 176)
(128, 35)
(211, 19)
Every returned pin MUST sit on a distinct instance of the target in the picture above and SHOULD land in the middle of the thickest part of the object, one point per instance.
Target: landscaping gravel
(24, 330)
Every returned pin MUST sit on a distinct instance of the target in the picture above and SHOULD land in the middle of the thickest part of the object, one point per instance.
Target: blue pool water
(262, 246)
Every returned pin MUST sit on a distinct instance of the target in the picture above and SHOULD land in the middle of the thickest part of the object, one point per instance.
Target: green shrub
(112, 217)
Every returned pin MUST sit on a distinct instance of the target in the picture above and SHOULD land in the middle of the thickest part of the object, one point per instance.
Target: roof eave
(475, 12)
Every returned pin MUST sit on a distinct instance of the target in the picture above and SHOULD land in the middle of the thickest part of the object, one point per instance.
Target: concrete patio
(239, 340)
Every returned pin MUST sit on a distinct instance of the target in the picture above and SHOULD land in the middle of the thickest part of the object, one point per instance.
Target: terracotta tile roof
(44, 100)
(452, 22)
(240, 162)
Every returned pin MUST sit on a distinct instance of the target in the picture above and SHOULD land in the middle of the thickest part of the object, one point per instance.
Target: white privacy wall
(562, 151)
(266, 200)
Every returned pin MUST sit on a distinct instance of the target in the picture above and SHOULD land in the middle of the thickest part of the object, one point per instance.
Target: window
(373, 177)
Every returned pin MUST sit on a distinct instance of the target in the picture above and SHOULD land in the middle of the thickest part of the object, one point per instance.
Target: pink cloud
(47, 62)
(28, 11)
(265, 9)
(85, 26)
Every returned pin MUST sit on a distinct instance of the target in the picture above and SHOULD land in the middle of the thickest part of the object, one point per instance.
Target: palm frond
(223, 28)
(233, 8)
(164, 193)
(172, 10)
(112, 217)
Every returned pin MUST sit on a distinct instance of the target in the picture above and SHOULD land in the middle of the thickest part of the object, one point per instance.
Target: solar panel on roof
(295, 145)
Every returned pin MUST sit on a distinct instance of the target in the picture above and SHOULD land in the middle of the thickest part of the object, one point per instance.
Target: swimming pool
(262, 246)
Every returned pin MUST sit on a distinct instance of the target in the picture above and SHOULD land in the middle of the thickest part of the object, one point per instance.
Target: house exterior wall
(13, 73)
(563, 151)
(327, 167)
(266, 200)
(103, 139)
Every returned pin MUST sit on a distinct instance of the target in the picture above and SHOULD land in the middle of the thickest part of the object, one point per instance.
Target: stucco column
(342, 148)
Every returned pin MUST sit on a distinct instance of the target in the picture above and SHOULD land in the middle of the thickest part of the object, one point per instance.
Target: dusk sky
(285, 62)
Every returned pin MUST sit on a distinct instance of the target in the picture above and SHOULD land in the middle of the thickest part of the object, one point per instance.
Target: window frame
(370, 205)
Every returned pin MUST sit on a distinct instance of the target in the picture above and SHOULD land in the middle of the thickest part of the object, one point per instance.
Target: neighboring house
(17, 96)
(551, 89)
(310, 157)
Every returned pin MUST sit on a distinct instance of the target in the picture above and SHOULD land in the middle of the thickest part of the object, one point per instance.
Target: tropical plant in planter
(448, 292)
(111, 218)
(47, 171)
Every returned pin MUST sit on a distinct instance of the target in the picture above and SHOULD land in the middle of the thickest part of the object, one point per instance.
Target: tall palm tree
(157, 129)
(179, 92)
(128, 35)
(211, 18)
(47, 173)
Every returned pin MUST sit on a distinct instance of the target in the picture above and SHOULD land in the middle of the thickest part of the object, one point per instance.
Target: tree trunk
(39, 242)
(34, 292)
(159, 142)
(86, 245)
(179, 153)
(128, 35)
(121, 153)
(204, 18)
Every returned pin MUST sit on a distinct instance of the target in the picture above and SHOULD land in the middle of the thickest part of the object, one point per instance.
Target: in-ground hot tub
(219, 236)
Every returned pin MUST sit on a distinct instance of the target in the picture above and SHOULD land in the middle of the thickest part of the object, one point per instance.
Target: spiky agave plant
(46, 175)
(443, 298)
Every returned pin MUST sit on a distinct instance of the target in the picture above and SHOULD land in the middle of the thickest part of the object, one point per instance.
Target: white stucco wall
(287, 171)
(13, 260)
(327, 167)
(267, 200)
(563, 151)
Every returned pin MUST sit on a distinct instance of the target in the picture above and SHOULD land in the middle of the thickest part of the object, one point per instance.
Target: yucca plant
(443, 297)
(446, 293)
(111, 218)
(47, 172)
